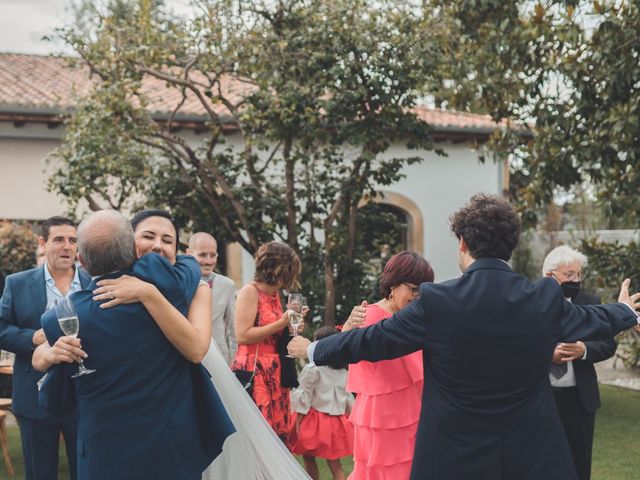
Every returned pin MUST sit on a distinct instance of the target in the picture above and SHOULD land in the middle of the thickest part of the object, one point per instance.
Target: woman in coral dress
(260, 322)
(388, 393)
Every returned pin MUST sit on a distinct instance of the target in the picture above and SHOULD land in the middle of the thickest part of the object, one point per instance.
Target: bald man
(205, 249)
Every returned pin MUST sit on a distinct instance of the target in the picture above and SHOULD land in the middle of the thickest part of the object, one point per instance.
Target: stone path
(615, 373)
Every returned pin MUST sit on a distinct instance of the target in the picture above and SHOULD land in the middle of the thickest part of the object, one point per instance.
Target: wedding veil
(254, 452)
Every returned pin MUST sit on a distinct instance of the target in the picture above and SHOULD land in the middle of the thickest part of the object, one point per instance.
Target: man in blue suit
(487, 339)
(146, 412)
(27, 295)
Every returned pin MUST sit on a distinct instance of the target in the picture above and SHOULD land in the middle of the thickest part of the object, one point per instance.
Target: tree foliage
(571, 70)
(606, 262)
(302, 99)
(18, 246)
(323, 88)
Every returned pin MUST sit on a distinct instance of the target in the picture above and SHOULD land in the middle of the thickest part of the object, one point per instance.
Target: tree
(571, 70)
(18, 246)
(314, 91)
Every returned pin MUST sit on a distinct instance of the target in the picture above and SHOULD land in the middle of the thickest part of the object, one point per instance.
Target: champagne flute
(294, 307)
(69, 323)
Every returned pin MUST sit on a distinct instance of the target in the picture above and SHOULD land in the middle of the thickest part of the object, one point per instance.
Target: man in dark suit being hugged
(573, 378)
(487, 340)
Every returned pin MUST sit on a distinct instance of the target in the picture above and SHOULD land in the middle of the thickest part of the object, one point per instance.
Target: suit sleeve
(599, 350)
(403, 333)
(56, 395)
(185, 274)
(13, 338)
(595, 322)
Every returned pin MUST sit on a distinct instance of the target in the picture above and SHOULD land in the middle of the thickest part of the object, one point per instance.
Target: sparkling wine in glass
(70, 325)
(294, 308)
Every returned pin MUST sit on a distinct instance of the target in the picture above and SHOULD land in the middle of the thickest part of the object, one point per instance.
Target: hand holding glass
(294, 306)
(69, 323)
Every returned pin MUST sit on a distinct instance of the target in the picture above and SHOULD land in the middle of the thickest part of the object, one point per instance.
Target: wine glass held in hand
(69, 324)
(294, 306)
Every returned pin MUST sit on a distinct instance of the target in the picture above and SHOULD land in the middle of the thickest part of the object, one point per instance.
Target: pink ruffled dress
(385, 413)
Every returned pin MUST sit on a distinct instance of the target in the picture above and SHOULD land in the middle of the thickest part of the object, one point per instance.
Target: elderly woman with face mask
(573, 377)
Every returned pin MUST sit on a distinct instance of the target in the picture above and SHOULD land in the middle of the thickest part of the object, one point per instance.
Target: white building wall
(438, 185)
(23, 193)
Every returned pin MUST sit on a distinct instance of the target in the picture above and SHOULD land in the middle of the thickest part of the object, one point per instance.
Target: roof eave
(20, 114)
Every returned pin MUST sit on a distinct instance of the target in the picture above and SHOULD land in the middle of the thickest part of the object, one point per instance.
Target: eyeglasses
(414, 290)
(570, 276)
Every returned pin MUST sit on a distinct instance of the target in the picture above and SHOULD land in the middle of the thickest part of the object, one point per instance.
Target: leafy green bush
(17, 246)
(609, 264)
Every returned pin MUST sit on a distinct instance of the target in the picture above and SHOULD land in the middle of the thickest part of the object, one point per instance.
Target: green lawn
(616, 450)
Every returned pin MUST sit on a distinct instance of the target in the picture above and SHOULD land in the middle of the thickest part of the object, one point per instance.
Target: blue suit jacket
(23, 302)
(146, 412)
(487, 340)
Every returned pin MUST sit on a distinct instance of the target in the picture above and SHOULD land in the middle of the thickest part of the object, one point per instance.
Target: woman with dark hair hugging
(388, 393)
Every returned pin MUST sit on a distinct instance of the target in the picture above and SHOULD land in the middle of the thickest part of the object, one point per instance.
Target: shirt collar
(209, 278)
(75, 283)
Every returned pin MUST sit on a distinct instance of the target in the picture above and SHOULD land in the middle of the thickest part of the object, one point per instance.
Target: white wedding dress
(254, 452)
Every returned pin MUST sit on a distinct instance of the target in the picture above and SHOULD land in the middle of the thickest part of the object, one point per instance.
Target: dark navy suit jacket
(487, 338)
(146, 412)
(597, 351)
(23, 302)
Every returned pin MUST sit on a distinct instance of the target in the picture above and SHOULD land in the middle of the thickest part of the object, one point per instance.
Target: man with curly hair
(487, 340)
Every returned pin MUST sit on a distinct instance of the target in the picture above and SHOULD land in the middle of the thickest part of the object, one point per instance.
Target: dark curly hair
(489, 226)
(277, 264)
(404, 267)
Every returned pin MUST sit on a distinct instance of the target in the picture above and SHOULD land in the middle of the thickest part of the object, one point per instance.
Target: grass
(616, 449)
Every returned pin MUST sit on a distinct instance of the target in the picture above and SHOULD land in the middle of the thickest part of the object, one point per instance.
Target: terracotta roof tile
(45, 84)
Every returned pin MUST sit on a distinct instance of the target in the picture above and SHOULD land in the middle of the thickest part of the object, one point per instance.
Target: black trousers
(578, 426)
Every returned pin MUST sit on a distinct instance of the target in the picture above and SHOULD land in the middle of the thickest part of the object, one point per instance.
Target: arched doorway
(407, 212)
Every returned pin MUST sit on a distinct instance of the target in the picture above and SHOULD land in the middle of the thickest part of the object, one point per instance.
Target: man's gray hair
(106, 242)
(561, 256)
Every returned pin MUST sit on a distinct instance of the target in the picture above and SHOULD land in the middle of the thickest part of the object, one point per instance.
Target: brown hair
(406, 267)
(277, 264)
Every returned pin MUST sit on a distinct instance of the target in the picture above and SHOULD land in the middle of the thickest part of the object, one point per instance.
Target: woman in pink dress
(388, 393)
(260, 322)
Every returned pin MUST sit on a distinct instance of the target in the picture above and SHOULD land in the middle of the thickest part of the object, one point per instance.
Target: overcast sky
(23, 23)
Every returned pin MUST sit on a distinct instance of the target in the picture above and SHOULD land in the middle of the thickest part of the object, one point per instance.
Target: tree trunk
(290, 195)
(329, 285)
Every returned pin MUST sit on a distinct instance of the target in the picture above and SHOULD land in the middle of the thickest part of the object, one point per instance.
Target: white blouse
(322, 388)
